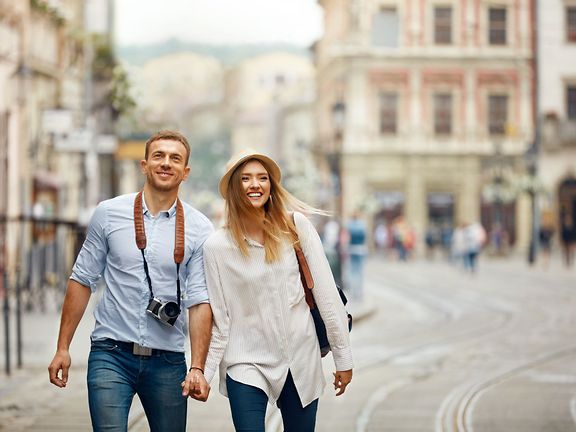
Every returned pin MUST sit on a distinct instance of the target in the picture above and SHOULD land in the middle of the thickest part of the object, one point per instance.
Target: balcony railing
(558, 133)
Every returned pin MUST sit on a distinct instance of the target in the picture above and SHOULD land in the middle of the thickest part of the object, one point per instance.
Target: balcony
(558, 133)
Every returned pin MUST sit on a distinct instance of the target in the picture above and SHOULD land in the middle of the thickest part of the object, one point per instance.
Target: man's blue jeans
(115, 375)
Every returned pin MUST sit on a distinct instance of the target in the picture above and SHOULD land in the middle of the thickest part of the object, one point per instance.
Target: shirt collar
(252, 242)
(171, 211)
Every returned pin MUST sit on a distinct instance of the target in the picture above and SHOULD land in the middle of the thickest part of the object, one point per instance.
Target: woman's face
(256, 183)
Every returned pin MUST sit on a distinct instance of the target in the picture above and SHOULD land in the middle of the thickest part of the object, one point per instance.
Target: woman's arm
(326, 295)
(221, 321)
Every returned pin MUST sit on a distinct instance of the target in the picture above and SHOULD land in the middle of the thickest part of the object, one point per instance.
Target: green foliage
(105, 68)
(119, 96)
(44, 7)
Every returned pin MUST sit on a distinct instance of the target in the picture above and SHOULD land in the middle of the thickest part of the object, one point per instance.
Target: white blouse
(262, 323)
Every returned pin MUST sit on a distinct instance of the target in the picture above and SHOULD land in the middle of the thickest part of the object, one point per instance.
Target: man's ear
(186, 173)
(143, 166)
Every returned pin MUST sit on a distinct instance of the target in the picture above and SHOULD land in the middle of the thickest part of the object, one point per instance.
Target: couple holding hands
(247, 317)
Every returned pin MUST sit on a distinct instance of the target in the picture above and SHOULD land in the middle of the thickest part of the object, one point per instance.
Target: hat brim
(271, 166)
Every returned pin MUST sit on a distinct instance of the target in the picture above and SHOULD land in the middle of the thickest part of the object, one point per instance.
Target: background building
(557, 52)
(438, 109)
(270, 104)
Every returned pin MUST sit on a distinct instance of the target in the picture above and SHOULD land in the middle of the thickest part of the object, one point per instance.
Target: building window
(571, 23)
(443, 114)
(497, 114)
(385, 28)
(497, 26)
(443, 25)
(388, 113)
(571, 102)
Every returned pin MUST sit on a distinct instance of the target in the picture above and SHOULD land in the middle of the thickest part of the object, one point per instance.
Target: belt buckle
(140, 350)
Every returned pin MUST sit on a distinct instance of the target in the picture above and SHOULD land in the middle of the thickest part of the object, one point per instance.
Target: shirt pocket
(291, 272)
(295, 293)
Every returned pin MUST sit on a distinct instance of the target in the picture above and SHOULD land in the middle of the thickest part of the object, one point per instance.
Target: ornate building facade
(557, 70)
(437, 105)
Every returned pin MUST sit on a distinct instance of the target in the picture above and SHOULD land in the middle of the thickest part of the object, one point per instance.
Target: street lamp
(531, 187)
(498, 180)
(338, 122)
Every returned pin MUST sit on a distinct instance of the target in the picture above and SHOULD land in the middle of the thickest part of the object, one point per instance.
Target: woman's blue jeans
(115, 375)
(248, 406)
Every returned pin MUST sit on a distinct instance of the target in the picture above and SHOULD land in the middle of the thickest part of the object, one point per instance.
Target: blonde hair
(278, 224)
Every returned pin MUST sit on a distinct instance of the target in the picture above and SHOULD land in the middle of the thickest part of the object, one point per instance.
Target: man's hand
(341, 380)
(60, 362)
(195, 386)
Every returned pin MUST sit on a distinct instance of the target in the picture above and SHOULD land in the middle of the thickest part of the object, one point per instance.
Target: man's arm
(75, 302)
(200, 329)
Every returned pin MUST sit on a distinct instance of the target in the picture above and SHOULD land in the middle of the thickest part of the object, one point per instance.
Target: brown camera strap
(140, 234)
(305, 273)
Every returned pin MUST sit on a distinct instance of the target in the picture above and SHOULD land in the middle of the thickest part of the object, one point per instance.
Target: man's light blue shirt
(110, 251)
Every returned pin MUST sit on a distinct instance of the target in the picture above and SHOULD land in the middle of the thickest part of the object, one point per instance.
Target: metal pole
(6, 308)
(533, 249)
(340, 207)
(18, 319)
(3, 239)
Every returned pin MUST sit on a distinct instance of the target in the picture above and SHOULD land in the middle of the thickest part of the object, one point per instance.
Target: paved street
(443, 351)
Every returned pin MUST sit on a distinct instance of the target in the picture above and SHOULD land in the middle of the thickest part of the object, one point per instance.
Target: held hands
(60, 362)
(195, 386)
(341, 380)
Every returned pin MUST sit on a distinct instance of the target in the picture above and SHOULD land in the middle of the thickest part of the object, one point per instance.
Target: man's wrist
(196, 368)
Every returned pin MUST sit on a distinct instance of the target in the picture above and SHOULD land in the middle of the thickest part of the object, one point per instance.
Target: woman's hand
(341, 380)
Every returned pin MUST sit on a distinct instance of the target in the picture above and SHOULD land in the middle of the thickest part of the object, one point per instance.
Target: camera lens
(171, 310)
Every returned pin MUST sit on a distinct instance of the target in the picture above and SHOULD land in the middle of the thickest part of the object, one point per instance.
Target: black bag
(308, 284)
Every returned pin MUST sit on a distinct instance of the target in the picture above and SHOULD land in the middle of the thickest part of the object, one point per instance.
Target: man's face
(165, 167)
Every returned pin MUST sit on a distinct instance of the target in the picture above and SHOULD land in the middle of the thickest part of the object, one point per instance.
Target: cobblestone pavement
(437, 350)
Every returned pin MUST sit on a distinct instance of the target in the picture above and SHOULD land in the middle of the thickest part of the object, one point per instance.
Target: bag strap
(305, 274)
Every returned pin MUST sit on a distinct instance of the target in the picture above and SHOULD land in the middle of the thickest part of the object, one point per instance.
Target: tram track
(449, 311)
(456, 411)
(455, 414)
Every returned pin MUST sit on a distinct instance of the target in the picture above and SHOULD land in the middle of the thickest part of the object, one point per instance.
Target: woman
(263, 338)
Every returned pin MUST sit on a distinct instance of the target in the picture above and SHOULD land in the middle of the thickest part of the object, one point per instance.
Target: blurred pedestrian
(474, 238)
(432, 239)
(332, 242)
(263, 339)
(568, 238)
(381, 238)
(139, 336)
(545, 235)
(403, 238)
(459, 245)
(446, 240)
(357, 253)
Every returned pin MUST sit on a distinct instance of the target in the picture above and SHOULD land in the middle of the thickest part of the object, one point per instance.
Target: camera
(165, 312)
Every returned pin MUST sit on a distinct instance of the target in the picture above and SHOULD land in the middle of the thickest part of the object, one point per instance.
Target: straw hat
(245, 155)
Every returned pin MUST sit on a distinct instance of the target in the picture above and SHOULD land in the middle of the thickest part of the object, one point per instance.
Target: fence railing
(36, 257)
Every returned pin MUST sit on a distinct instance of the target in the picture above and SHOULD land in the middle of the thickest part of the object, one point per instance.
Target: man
(145, 246)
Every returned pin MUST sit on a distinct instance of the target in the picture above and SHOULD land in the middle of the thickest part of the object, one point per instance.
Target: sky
(140, 22)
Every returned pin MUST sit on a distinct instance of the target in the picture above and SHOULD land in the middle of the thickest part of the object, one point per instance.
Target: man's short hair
(168, 135)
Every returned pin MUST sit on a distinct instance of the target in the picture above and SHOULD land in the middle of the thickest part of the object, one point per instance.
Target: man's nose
(166, 161)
